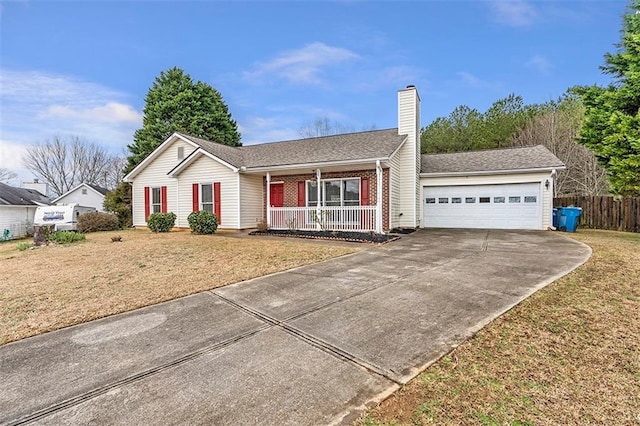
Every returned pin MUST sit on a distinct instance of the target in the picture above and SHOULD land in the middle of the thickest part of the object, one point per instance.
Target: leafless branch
(64, 164)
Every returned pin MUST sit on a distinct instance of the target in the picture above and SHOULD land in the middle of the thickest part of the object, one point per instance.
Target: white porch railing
(352, 218)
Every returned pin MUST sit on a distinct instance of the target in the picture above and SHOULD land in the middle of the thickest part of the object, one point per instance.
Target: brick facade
(291, 187)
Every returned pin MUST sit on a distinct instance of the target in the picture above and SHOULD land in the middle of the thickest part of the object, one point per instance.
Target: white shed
(85, 194)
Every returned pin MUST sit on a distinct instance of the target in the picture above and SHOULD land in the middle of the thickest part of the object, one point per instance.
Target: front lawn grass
(569, 354)
(60, 285)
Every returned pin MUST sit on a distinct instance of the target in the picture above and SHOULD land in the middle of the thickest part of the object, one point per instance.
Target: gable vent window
(84, 191)
(180, 152)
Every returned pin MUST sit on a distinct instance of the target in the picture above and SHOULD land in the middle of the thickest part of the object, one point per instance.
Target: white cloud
(472, 80)
(11, 158)
(302, 66)
(11, 154)
(111, 112)
(258, 129)
(539, 63)
(388, 78)
(38, 105)
(513, 13)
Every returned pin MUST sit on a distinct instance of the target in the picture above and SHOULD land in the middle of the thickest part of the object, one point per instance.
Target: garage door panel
(508, 206)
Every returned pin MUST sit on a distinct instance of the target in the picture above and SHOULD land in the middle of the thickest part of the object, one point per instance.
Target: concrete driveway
(313, 345)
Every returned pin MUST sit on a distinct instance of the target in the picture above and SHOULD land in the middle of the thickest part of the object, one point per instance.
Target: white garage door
(509, 206)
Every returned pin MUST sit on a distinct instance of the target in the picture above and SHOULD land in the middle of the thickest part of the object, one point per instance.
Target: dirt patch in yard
(56, 286)
(569, 354)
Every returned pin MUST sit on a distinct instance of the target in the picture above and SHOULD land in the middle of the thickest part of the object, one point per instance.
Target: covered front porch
(331, 198)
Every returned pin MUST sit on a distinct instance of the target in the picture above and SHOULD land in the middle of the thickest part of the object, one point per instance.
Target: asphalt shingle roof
(534, 157)
(346, 147)
(98, 188)
(12, 196)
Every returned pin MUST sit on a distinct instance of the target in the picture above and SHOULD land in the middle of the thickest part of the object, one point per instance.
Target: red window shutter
(216, 200)
(147, 202)
(163, 199)
(302, 199)
(195, 202)
(364, 192)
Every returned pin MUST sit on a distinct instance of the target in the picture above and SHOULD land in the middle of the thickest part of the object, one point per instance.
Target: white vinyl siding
(251, 201)
(155, 176)
(16, 219)
(90, 199)
(409, 155)
(206, 170)
(545, 201)
(394, 192)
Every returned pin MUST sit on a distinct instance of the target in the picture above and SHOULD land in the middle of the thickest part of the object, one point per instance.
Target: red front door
(276, 195)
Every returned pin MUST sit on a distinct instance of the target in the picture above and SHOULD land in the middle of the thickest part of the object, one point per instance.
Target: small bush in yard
(203, 222)
(66, 237)
(23, 246)
(161, 222)
(98, 221)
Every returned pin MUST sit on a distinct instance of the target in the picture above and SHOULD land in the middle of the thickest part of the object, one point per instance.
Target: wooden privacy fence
(605, 212)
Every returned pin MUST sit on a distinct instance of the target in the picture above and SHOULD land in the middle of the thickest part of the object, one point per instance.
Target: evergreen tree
(176, 104)
(612, 114)
(467, 129)
(118, 201)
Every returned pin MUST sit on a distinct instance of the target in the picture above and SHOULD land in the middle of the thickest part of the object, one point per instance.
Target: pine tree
(176, 104)
(612, 121)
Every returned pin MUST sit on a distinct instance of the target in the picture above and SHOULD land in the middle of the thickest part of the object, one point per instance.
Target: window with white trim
(206, 197)
(334, 192)
(156, 200)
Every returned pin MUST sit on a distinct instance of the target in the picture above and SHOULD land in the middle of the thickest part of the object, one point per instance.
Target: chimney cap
(411, 86)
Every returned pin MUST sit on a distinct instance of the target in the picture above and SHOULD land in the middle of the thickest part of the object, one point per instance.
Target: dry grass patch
(569, 354)
(57, 286)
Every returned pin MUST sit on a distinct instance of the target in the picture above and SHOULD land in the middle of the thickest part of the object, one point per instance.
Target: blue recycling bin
(556, 216)
(569, 217)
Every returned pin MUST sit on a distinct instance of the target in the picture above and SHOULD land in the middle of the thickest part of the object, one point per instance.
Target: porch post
(378, 197)
(268, 200)
(318, 204)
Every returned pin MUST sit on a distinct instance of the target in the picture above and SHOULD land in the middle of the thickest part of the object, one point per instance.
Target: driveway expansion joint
(86, 396)
(315, 341)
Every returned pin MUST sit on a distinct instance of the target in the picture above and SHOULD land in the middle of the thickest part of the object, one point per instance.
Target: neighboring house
(85, 194)
(366, 181)
(41, 187)
(17, 208)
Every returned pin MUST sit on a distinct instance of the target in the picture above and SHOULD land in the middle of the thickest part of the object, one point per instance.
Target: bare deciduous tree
(557, 127)
(6, 174)
(323, 127)
(64, 164)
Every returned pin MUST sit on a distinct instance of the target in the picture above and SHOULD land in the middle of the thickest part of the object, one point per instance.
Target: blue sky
(83, 68)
